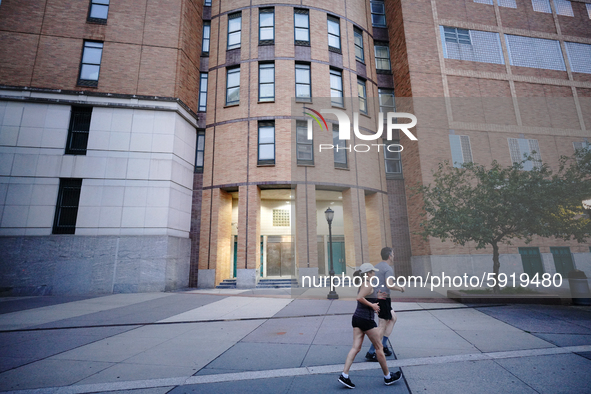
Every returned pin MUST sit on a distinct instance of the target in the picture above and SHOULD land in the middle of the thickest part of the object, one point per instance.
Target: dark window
(362, 94)
(233, 86)
(78, 131)
(266, 26)
(199, 152)
(203, 93)
(378, 13)
(531, 261)
(302, 27)
(456, 35)
(91, 63)
(206, 34)
(304, 146)
(303, 82)
(358, 36)
(334, 34)
(266, 142)
(340, 148)
(234, 30)
(382, 53)
(336, 88)
(266, 81)
(66, 211)
(387, 103)
(99, 10)
(392, 158)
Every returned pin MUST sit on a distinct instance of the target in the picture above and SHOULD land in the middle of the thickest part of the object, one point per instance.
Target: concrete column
(249, 236)
(377, 225)
(306, 231)
(356, 241)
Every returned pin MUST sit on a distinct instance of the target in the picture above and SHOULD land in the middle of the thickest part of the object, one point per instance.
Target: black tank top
(363, 311)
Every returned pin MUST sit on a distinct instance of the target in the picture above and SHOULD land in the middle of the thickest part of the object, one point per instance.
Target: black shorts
(385, 309)
(363, 324)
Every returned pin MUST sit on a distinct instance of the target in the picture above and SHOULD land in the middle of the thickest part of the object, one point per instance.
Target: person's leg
(357, 342)
(374, 336)
(388, 326)
(381, 327)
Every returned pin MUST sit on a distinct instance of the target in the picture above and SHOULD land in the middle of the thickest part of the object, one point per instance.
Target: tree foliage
(496, 204)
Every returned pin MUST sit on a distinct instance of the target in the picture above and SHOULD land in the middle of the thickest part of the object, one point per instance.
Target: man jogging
(382, 293)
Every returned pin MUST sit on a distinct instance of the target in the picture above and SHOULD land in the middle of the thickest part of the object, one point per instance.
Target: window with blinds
(471, 45)
(521, 148)
(461, 152)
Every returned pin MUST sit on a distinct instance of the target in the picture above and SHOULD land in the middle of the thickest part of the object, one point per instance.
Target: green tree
(495, 205)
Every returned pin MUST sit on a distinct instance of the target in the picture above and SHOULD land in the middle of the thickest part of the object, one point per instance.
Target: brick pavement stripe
(229, 377)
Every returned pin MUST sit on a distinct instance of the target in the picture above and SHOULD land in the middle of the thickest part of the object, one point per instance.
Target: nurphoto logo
(345, 129)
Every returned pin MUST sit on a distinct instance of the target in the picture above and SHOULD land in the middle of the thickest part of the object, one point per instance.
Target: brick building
(155, 144)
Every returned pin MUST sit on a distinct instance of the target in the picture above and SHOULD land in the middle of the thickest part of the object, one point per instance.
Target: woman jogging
(364, 324)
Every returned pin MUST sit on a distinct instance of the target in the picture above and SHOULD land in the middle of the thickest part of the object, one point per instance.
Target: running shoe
(347, 382)
(394, 377)
(371, 357)
(387, 351)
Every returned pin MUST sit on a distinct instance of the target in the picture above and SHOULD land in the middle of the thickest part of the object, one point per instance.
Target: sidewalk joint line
(139, 324)
(299, 371)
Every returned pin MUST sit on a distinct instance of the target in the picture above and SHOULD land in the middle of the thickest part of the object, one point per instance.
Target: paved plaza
(259, 341)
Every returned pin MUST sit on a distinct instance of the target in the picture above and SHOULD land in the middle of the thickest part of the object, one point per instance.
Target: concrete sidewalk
(268, 341)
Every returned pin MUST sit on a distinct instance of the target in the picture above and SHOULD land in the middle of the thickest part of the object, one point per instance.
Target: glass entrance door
(562, 260)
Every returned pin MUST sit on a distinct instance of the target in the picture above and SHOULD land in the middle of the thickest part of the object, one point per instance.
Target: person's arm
(364, 292)
(394, 286)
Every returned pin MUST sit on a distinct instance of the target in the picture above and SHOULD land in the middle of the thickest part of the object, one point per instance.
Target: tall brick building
(155, 144)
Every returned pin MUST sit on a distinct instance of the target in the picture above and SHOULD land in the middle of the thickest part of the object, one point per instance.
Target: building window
(303, 82)
(200, 152)
(266, 26)
(99, 10)
(207, 3)
(392, 160)
(580, 145)
(579, 57)
(340, 148)
(206, 34)
(507, 3)
(233, 86)
(535, 52)
(563, 260)
(334, 34)
(471, 45)
(266, 82)
(266, 143)
(521, 148)
(302, 27)
(378, 13)
(234, 30)
(358, 37)
(91, 63)
(362, 94)
(531, 261)
(78, 130)
(542, 6)
(66, 210)
(203, 93)
(564, 7)
(588, 9)
(336, 88)
(460, 150)
(502, 3)
(382, 53)
(304, 146)
(387, 103)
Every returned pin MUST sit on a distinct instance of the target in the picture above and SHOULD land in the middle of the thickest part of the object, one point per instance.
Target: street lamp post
(329, 213)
